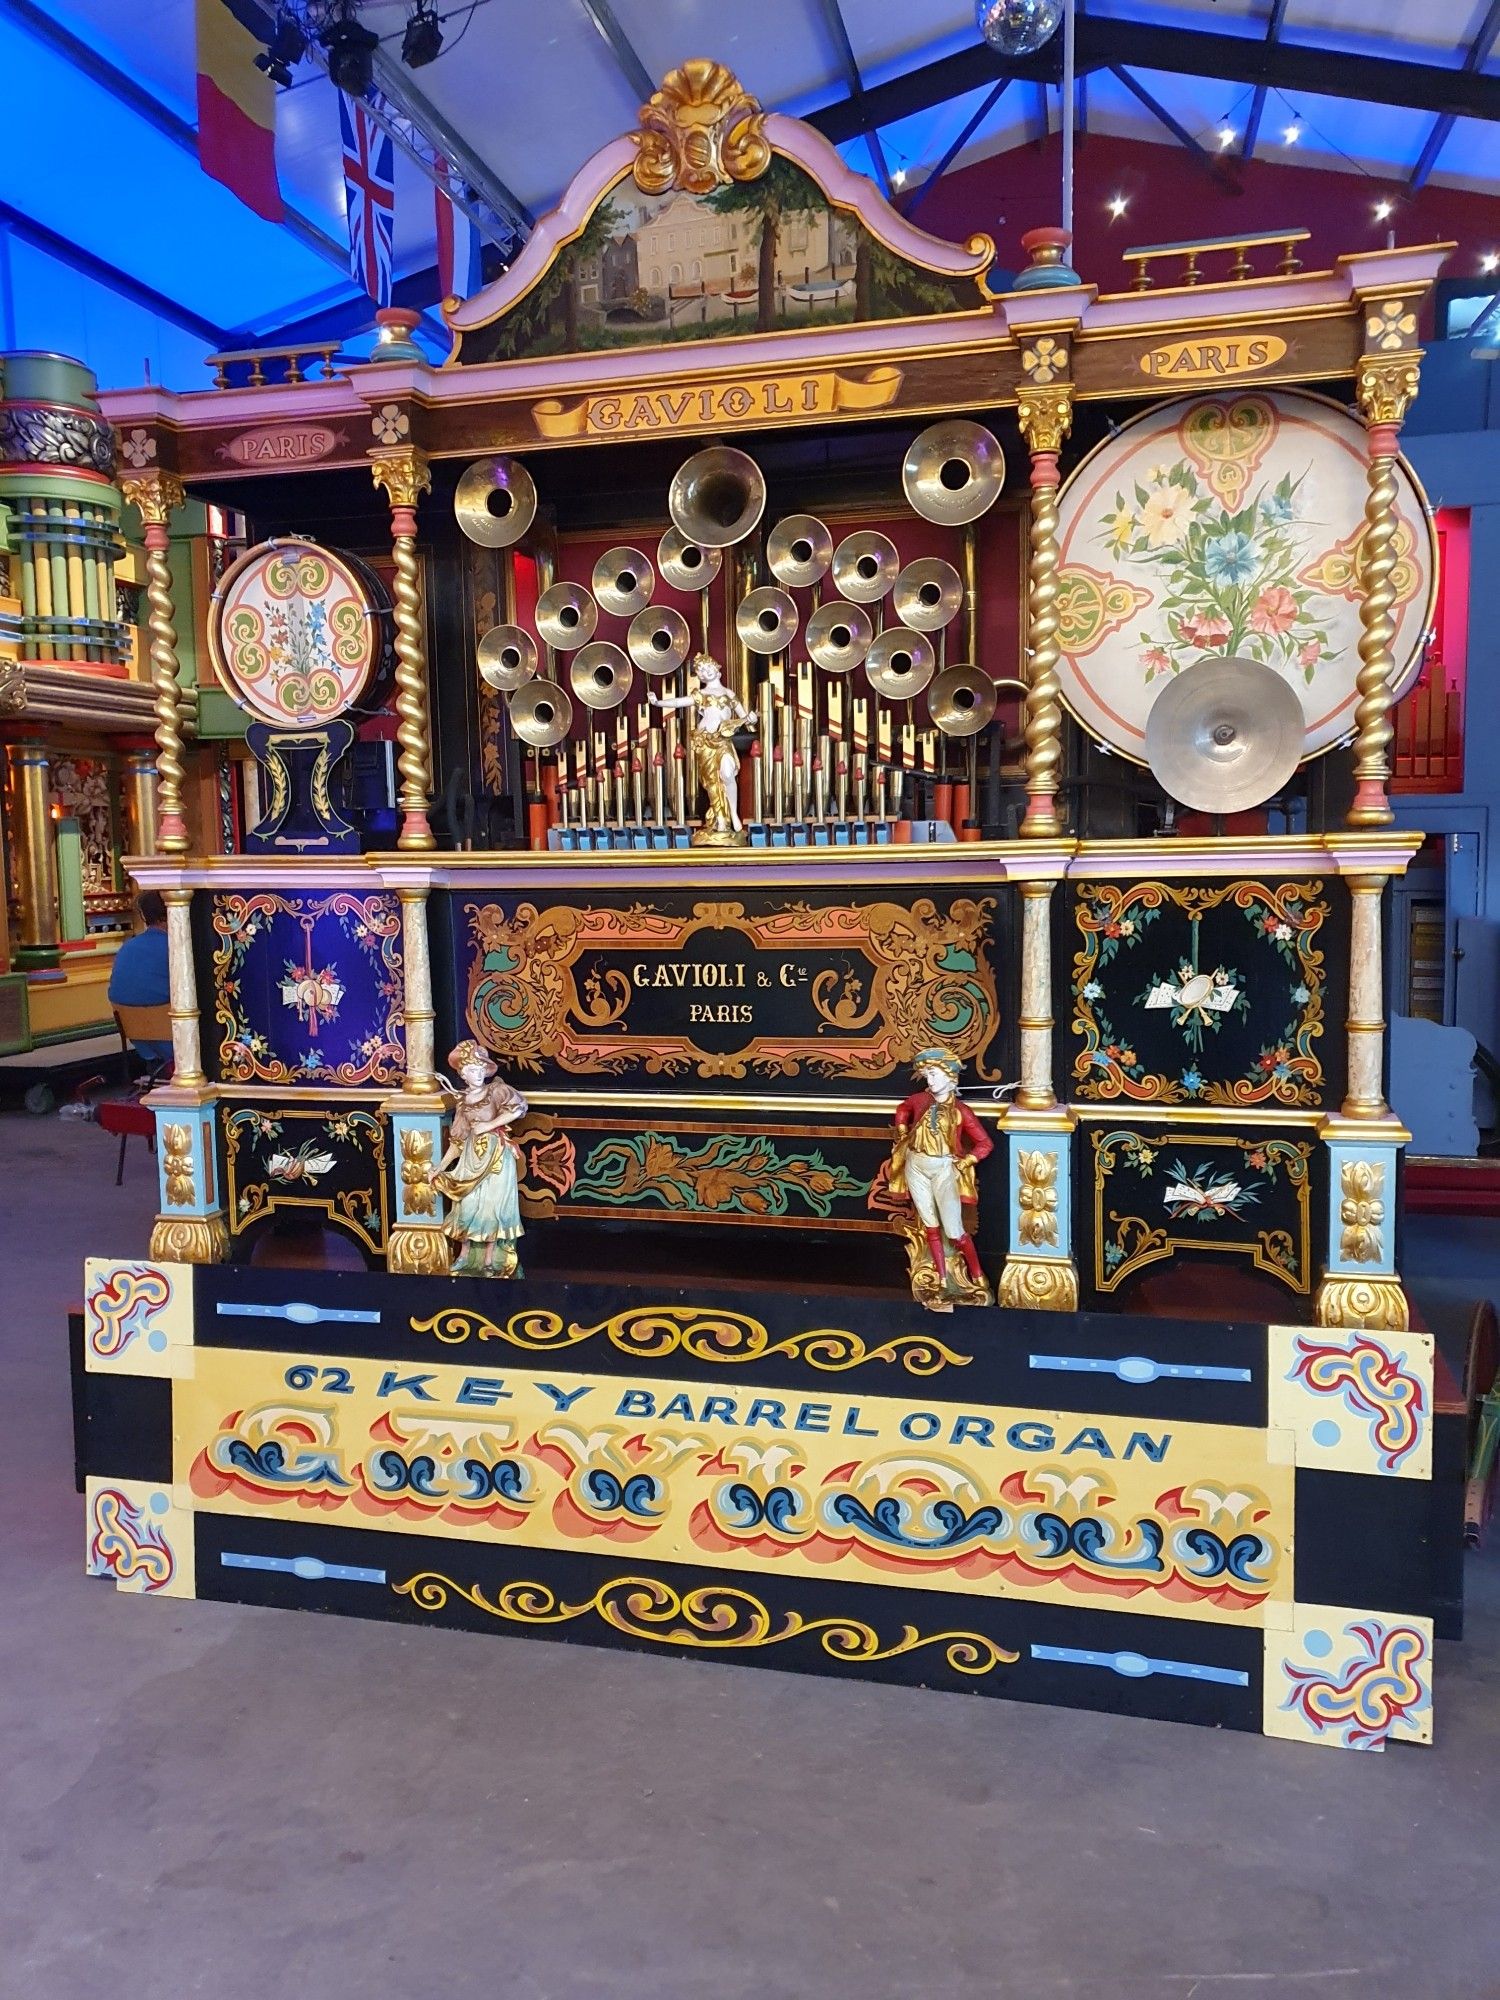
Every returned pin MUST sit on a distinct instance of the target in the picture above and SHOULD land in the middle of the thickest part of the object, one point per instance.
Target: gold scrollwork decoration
(189, 1239)
(1045, 414)
(418, 1250)
(1364, 1302)
(417, 1192)
(1387, 385)
(712, 1618)
(1036, 1197)
(177, 1164)
(1361, 1210)
(1039, 1284)
(723, 1338)
(699, 131)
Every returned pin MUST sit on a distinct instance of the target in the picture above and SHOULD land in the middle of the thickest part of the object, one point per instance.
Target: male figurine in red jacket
(938, 1140)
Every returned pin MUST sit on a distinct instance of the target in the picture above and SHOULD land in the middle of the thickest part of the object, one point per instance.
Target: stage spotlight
(351, 50)
(287, 47)
(423, 39)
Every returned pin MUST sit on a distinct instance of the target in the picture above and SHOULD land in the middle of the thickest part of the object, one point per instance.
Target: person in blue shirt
(140, 977)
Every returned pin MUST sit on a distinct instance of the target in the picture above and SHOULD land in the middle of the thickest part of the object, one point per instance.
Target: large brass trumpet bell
(953, 472)
(658, 639)
(927, 595)
(900, 663)
(495, 502)
(686, 564)
(961, 700)
(799, 550)
(838, 636)
(717, 497)
(865, 566)
(600, 675)
(767, 620)
(540, 714)
(506, 657)
(623, 582)
(565, 617)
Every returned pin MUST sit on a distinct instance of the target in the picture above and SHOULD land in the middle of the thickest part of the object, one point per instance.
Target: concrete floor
(204, 1799)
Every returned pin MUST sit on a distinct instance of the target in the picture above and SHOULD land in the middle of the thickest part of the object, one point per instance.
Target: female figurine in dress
(717, 713)
(478, 1171)
(937, 1142)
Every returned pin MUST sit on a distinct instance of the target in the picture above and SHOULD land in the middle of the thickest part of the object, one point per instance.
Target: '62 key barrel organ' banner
(764, 986)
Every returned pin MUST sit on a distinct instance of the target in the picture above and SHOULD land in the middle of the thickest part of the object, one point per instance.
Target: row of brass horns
(686, 564)
(658, 639)
(495, 502)
(865, 566)
(541, 714)
(953, 472)
(623, 582)
(900, 663)
(799, 550)
(717, 498)
(962, 700)
(838, 636)
(767, 619)
(600, 675)
(565, 617)
(927, 594)
(506, 657)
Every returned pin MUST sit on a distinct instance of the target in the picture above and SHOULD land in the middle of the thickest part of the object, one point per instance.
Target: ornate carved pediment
(699, 131)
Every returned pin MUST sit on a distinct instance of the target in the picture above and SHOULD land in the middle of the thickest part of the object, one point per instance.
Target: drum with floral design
(296, 632)
(1229, 525)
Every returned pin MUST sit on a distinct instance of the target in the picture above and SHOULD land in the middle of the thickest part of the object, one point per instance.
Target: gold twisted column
(1046, 416)
(1387, 386)
(403, 473)
(155, 494)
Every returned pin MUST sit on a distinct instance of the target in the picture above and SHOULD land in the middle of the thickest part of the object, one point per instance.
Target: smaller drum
(297, 633)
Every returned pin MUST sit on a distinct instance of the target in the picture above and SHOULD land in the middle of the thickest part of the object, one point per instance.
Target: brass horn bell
(623, 582)
(767, 620)
(838, 636)
(865, 566)
(506, 657)
(540, 714)
(565, 617)
(495, 502)
(900, 663)
(658, 639)
(961, 700)
(953, 472)
(717, 497)
(600, 675)
(1225, 735)
(686, 564)
(799, 550)
(927, 594)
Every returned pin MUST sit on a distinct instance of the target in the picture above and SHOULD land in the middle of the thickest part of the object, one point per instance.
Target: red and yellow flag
(236, 109)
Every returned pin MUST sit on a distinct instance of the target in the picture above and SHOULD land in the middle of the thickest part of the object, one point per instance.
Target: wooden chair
(129, 1116)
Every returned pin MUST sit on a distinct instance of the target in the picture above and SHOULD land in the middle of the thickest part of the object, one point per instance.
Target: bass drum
(1229, 525)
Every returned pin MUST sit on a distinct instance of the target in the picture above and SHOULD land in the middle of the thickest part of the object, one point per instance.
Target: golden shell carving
(177, 1165)
(698, 131)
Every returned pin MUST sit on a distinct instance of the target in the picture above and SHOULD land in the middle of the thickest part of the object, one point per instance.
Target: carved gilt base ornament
(417, 1250)
(1039, 1284)
(1372, 1302)
(190, 1239)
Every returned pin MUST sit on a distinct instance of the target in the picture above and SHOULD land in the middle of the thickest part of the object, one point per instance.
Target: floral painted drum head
(1229, 525)
(295, 632)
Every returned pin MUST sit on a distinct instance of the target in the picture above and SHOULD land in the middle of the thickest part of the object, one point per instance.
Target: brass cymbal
(623, 582)
(927, 595)
(565, 617)
(767, 619)
(1225, 735)
(865, 566)
(600, 674)
(961, 700)
(495, 502)
(799, 550)
(953, 472)
(506, 657)
(900, 663)
(717, 497)
(685, 564)
(540, 714)
(838, 636)
(658, 639)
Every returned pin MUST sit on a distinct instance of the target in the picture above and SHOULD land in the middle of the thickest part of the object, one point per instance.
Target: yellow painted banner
(743, 399)
(1179, 1519)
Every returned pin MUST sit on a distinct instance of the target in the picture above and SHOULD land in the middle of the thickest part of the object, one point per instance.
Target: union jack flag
(369, 198)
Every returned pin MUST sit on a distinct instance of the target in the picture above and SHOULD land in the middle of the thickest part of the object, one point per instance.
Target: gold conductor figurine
(937, 1143)
(717, 713)
(478, 1171)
